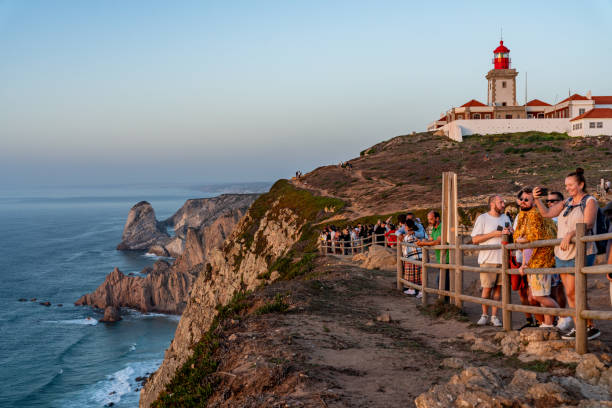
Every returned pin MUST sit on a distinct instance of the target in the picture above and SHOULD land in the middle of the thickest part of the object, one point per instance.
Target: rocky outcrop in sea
(164, 288)
(142, 229)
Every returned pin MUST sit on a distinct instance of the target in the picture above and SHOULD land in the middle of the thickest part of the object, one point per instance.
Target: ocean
(58, 244)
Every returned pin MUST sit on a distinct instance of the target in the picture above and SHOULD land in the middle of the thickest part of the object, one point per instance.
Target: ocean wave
(115, 388)
(136, 314)
(84, 322)
(154, 256)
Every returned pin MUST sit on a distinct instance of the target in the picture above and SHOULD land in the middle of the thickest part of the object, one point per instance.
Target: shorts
(560, 263)
(539, 284)
(555, 280)
(489, 279)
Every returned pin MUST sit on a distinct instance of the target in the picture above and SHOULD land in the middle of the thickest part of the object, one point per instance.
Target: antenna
(525, 87)
(501, 33)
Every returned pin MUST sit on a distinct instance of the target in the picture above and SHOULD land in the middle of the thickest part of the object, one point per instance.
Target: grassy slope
(405, 172)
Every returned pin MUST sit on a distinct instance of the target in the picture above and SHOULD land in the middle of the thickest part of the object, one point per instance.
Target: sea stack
(142, 229)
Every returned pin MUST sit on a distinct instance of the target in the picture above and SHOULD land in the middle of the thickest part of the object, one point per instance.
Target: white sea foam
(154, 256)
(135, 314)
(117, 387)
(132, 346)
(85, 322)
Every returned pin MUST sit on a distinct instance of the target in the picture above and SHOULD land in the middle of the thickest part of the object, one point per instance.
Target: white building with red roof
(502, 114)
(595, 122)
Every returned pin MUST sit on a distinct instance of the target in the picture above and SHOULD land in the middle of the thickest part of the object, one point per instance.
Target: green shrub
(278, 305)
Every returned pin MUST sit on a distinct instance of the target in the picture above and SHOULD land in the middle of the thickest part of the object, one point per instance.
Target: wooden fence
(350, 248)
(580, 313)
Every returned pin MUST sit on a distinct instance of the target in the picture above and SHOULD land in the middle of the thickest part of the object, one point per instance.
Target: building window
(529, 116)
(508, 116)
(503, 84)
(476, 116)
(599, 125)
(487, 116)
(580, 111)
(540, 115)
(459, 116)
(592, 125)
(503, 103)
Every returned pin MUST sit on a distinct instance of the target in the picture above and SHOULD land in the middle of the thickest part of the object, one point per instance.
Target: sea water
(57, 244)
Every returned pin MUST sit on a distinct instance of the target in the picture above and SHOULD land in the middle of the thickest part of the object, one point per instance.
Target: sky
(112, 91)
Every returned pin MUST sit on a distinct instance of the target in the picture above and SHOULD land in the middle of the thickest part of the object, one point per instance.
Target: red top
(501, 48)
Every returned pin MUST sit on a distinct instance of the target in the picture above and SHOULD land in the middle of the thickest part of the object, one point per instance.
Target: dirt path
(335, 348)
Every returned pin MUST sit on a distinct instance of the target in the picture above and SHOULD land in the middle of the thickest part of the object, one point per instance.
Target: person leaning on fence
(531, 226)
(420, 231)
(433, 218)
(557, 291)
(520, 283)
(488, 230)
(579, 208)
(412, 273)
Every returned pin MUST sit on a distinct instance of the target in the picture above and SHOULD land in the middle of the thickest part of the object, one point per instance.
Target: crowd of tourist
(542, 215)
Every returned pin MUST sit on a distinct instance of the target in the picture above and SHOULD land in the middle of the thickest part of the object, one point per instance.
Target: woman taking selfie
(578, 208)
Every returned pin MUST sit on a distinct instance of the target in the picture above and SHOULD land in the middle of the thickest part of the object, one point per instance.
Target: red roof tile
(537, 102)
(473, 102)
(602, 100)
(575, 97)
(598, 113)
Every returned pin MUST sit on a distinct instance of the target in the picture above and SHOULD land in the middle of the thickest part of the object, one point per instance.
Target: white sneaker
(484, 319)
(495, 321)
(410, 292)
(420, 295)
(564, 324)
(546, 326)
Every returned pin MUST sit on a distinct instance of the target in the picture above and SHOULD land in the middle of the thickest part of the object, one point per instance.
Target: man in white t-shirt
(488, 230)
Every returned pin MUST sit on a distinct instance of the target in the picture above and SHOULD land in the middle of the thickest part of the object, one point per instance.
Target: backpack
(601, 223)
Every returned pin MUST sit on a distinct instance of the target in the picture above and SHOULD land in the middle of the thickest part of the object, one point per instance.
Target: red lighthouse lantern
(501, 57)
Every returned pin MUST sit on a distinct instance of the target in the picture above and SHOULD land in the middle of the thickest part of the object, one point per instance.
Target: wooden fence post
(506, 291)
(458, 272)
(399, 268)
(580, 291)
(425, 259)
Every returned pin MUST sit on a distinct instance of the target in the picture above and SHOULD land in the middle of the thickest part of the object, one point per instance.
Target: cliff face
(214, 217)
(142, 228)
(277, 224)
(202, 212)
(164, 289)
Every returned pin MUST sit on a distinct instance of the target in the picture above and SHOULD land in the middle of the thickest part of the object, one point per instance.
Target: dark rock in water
(33, 300)
(23, 299)
(112, 393)
(141, 229)
(131, 274)
(111, 314)
(59, 305)
(45, 303)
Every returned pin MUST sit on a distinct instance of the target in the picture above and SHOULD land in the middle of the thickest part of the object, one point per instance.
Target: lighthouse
(501, 57)
(502, 80)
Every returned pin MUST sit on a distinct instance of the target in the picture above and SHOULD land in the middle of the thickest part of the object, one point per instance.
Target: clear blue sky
(197, 91)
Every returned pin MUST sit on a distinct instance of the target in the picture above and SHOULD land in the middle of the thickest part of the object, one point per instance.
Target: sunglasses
(552, 201)
(525, 200)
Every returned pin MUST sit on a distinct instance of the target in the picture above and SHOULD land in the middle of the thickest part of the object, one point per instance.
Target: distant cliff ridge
(214, 217)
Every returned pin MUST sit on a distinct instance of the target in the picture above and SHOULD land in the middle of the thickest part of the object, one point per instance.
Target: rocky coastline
(200, 225)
